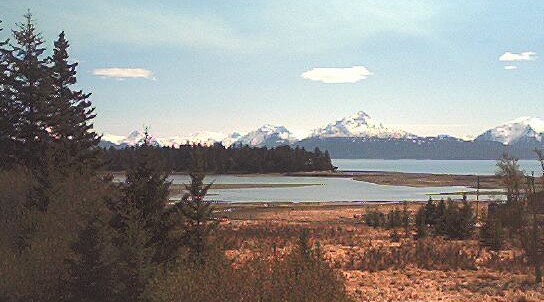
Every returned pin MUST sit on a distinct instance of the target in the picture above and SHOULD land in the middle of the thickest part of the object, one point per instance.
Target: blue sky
(428, 67)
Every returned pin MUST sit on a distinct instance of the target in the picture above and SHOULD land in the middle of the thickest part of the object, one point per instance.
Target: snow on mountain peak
(267, 135)
(359, 124)
(515, 130)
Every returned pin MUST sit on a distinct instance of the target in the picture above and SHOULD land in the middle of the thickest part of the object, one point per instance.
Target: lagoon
(324, 189)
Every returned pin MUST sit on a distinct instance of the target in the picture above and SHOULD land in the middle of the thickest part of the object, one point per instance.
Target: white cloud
(124, 73)
(510, 67)
(512, 57)
(337, 75)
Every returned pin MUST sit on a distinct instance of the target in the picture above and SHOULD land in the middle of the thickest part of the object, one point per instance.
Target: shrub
(375, 218)
(492, 232)
(456, 222)
(431, 254)
(302, 275)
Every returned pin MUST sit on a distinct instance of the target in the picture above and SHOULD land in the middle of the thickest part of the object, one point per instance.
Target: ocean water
(473, 167)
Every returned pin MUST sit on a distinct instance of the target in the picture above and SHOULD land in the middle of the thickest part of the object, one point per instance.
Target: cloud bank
(124, 73)
(337, 75)
(510, 67)
(513, 57)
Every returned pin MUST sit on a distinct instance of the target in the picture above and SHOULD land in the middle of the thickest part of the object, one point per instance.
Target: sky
(182, 67)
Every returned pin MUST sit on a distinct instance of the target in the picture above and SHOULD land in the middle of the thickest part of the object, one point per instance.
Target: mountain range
(360, 136)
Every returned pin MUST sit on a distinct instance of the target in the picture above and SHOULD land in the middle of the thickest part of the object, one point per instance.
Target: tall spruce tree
(30, 88)
(198, 214)
(71, 120)
(146, 225)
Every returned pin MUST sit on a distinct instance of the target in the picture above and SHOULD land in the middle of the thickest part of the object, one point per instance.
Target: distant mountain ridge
(360, 136)
(359, 125)
(524, 129)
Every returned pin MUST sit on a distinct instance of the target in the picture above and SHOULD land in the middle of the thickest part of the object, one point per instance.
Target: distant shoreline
(406, 179)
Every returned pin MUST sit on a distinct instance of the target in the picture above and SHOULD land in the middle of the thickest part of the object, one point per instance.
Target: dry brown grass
(375, 268)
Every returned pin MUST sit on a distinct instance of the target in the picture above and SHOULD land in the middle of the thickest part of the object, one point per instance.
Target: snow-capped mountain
(524, 129)
(136, 137)
(360, 136)
(267, 135)
(206, 138)
(359, 125)
(133, 138)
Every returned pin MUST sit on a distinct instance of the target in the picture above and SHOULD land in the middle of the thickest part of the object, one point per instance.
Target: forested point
(219, 159)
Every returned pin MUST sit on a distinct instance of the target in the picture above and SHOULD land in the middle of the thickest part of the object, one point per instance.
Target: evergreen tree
(421, 224)
(492, 232)
(71, 121)
(405, 218)
(141, 222)
(136, 252)
(92, 274)
(429, 212)
(439, 218)
(466, 220)
(456, 223)
(199, 222)
(30, 87)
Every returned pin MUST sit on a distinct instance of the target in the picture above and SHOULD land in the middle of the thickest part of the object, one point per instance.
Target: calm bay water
(346, 189)
(473, 167)
(325, 189)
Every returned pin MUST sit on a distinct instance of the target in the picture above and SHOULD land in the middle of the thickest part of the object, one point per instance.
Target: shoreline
(404, 179)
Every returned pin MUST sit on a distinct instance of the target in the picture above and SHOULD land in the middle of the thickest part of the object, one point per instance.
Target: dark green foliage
(440, 211)
(394, 218)
(92, 270)
(198, 217)
(71, 120)
(144, 226)
(421, 223)
(451, 220)
(492, 232)
(43, 120)
(218, 159)
(457, 222)
(405, 218)
(39, 247)
(375, 218)
(28, 84)
(431, 212)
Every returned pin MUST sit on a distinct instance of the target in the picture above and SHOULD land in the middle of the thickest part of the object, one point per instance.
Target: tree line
(219, 159)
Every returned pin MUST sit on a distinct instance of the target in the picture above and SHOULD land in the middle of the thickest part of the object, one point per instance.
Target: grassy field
(374, 267)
